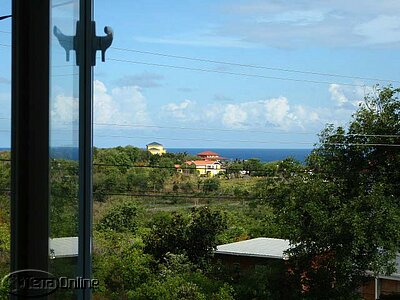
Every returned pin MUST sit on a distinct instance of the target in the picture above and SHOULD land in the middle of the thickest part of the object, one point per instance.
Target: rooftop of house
(154, 144)
(275, 248)
(258, 247)
(202, 162)
(208, 153)
(63, 247)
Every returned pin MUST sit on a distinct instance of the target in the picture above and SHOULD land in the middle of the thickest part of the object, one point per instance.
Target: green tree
(120, 218)
(63, 198)
(119, 264)
(195, 235)
(253, 166)
(137, 181)
(343, 217)
(211, 185)
(363, 154)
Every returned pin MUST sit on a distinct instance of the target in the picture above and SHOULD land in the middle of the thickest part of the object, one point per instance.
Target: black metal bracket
(5, 17)
(68, 42)
(99, 43)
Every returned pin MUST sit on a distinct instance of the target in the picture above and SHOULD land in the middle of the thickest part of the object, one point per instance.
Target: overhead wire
(371, 144)
(237, 130)
(106, 165)
(301, 172)
(254, 66)
(231, 73)
(239, 74)
(223, 130)
(250, 141)
(227, 72)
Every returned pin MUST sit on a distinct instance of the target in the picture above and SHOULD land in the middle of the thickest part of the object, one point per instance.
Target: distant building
(210, 155)
(261, 251)
(207, 168)
(249, 253)
(66, 247)
(156, 148)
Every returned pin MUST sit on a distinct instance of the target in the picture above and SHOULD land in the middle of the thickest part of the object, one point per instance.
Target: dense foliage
(343, 217)
(155, 229)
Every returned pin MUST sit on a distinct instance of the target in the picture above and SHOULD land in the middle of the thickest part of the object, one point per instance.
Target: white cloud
(290, 24)
(64, 109)
(384, 29)
(143, 80)
(348, 97)
(296, 17)
(337, 94)
(104, 106)
(234, 116)
(314, 23)
(274, 112)
(181, 111)
(123, 105)
(198, 39)
(269, 113)
(277, 113)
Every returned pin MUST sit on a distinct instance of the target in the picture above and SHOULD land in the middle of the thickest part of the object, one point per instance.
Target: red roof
(201, 162)
(208, 153)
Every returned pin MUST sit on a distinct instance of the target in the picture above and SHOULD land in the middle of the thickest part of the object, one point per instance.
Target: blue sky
(138, 103)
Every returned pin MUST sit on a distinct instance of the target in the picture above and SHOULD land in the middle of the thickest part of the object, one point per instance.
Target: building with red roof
(209, 155)
(204, 167)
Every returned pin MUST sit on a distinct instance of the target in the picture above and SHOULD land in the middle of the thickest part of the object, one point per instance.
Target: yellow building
(156, 148)
(207, 168)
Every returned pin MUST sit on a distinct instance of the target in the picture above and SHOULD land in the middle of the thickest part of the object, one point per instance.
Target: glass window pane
(5, 140)
(64, 143)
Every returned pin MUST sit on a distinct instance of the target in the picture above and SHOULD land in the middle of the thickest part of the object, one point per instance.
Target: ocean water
(59, 152)
(265, 155)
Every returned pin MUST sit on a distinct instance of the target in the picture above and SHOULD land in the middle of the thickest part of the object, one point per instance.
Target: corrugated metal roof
(274, 248)
(258, 247)
(63, 247)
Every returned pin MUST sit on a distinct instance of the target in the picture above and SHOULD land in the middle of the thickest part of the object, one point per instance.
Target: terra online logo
(38, 283)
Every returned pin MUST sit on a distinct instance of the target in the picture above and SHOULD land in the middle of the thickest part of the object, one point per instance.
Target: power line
(167, 167)
(281, 69)
(166, 195)
(250, 141)
(238, 130)
(64, 75)
(276, 172)
(197, 128)
(62, 66)
(231, 73)
(226, 72)
(254, 66)
(62, 3)
(224, 130)
(204, 139)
